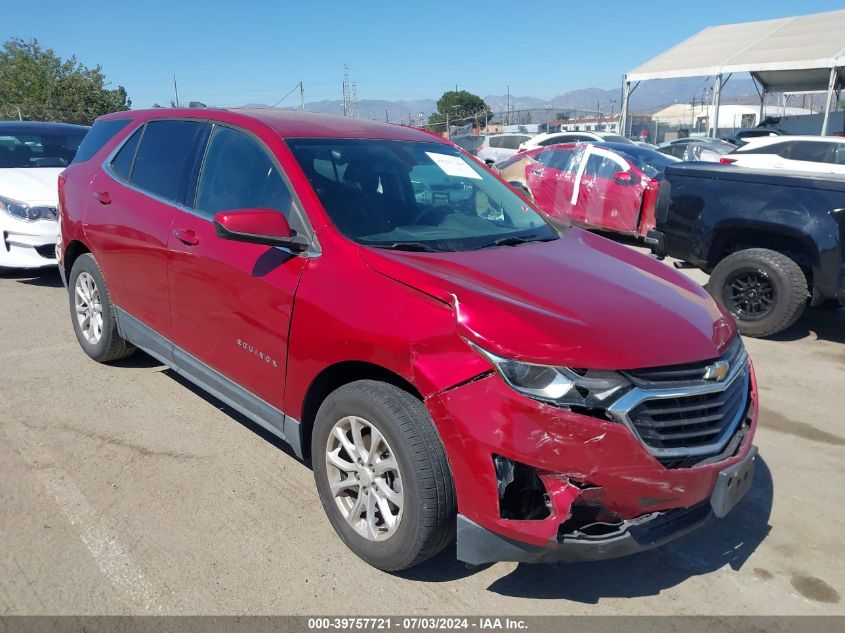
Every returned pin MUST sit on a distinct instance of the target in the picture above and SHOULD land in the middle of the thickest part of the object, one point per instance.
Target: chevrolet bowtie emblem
(717, 371)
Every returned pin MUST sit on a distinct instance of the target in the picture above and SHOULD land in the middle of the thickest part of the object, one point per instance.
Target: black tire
(427, 523)
(110, 345)
(764, 290)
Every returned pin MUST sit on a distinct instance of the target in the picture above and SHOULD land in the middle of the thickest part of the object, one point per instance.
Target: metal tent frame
(802, 53)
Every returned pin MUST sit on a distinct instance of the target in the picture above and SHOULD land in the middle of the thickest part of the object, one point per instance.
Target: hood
(38, 185)
(580, 301)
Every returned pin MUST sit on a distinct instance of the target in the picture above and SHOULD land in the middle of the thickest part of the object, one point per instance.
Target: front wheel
(382, 475)
(765, 290)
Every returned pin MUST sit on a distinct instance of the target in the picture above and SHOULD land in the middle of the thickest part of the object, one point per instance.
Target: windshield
(39, 148)
(414, 195)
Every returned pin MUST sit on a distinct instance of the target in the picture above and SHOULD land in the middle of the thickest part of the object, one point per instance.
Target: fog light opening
(522, 496)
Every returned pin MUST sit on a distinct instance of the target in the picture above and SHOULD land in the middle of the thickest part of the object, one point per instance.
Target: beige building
(730, 115)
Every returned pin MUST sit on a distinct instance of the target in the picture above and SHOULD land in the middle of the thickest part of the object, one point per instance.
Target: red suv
(399, 315)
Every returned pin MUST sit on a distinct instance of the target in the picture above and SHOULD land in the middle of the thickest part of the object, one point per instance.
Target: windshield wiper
(409, 246)
(515, 240)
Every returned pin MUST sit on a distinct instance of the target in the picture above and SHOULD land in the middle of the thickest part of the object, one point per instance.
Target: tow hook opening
(522, 495)
(590, 519)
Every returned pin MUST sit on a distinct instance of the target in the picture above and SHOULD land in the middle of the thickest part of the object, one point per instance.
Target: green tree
(461, 107)
(40, 84)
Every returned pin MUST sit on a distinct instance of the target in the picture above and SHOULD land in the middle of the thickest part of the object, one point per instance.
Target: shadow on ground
(44, 277)
(827, 325)
(232, 413)
(729, 541)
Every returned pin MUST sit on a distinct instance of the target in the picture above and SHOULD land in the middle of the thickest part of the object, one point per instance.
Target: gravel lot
(125, 490)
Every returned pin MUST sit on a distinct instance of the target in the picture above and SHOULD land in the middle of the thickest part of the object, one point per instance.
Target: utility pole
(509, 104)
(175, 90)
(347, 90)
(301, 96)
(386, 119)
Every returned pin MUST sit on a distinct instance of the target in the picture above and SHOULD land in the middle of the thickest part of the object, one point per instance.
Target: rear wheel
(766, 291)
(382, 475)
(92, 312)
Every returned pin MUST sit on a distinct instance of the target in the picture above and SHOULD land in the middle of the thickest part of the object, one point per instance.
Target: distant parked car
(468, 142)
(496, 147)
(741, 137)
(31, 156)
(697, 149)
(820, 154)
(553, 138)
(607, 186)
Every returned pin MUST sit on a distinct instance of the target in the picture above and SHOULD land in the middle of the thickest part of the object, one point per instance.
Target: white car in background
(32, 155)
(555, 138)
(819, 154)
(496, 147)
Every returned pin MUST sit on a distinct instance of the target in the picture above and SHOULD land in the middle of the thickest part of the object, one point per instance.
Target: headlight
(25, 212)
(560, 386)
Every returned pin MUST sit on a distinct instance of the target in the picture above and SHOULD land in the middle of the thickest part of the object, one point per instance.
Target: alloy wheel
(749, 295)
(89, 308)
(364, 478)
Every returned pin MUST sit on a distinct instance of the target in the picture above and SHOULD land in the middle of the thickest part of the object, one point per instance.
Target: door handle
(186, 236)
(102, 197)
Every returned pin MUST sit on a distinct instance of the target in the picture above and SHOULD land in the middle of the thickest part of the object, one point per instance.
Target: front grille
(685, 415)
(691, 421)
(676, 375)
(47, 251)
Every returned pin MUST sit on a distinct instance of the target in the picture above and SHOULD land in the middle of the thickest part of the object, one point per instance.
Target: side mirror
(623, 178)
(258, 226)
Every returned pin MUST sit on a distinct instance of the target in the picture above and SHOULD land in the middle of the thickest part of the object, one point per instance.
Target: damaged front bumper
(604, 494)
(477, 545)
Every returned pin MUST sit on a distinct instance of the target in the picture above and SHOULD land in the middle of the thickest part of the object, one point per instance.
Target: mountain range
(647, 98)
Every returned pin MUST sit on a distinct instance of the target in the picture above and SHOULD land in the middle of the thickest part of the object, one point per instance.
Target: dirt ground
(125, 490)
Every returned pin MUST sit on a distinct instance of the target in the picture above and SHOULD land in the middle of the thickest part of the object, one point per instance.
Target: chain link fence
(29, 113)
(528, 120)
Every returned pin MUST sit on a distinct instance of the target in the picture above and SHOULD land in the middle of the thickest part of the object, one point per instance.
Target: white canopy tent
(803, 53)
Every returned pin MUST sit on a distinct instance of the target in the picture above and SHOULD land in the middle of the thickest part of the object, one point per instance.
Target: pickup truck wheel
(764, 290)
(92, 313)
(382, 475)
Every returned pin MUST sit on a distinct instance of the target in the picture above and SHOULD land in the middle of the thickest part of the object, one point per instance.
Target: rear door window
(99, 134)
(166, 156)
(496, 141)
(812, 151)
(121, 164)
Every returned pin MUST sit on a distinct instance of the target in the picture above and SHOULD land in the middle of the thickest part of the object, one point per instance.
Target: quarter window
(99, 134)
(166, 156)
(239, 174)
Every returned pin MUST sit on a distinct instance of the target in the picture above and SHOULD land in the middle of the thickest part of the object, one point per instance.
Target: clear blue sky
(255, 51)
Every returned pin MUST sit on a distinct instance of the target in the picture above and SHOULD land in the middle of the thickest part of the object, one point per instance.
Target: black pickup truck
(773, 242)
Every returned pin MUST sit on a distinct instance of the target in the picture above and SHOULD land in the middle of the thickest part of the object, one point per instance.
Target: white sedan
(32, 155)
(819, 154)
(556, 138)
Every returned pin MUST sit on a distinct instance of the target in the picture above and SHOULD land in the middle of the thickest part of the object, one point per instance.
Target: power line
(297, 86)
